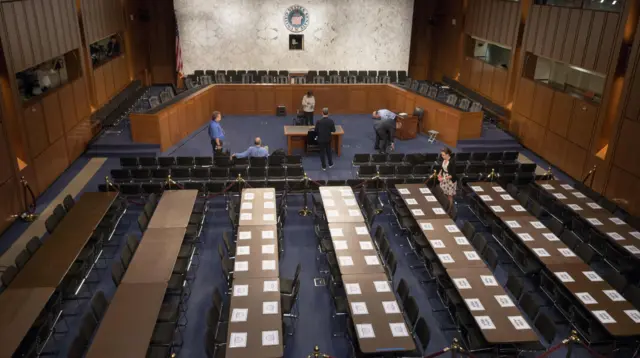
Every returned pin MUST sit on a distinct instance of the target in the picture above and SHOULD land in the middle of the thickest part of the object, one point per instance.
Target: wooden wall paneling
(265, 100)
(560, 33)
(6, 162)
(109, 82)
(485, 20)
(51, 28)
(357, 101)
(551, 29)
(39, 15)
(496, 20)
(60, 25)
(552, 149)
(624, 187)
(83, 108)
(581, 38)
(543, 22)
(627, 154)
(574, 160)
(174, 124)
(99, 83)
(375, 98)
(632, 108)
(68, 107)
(476, 74)
(469, 17)
(501, 30)
(487, 79)
(10, 203)
(53, 116)
(14, 53)
(542, 98)
(572, 32)
(532, 27)
(593, 43)
(560, 116)
(605, 51)
(477, 16)
(35, 129)
(465, 72)
(17, 10)
(51, 163)
(78, 138)
(69, 19)
(524, 97)
(34, 35)
(534, 136)
(499, 85)
(510, 30)
(583, 122)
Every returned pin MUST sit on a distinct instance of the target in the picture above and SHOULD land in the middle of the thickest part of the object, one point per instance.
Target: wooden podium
(408, 128)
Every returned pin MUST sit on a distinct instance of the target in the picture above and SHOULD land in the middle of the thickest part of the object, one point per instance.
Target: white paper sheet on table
(238, 340)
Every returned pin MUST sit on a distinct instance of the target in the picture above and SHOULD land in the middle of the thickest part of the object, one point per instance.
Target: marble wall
(250, 34)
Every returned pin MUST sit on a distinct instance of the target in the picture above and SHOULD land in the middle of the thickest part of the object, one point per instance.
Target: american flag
(296, 20)
(179, 64)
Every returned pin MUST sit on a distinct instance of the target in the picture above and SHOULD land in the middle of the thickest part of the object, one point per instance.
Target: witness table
(354, 249)
(127, 327)
(255, 322)
(156, 256)
(498, 200)
(174, 209)
(258, 207)
(541, 241)
(569, 196)
(297, 138)
(52, 261)
(256, 252)
(378, 320)
(495, 313)
(19, 309)
(615, 313)
(340, 205)
(421, 202)
(451, 246)
(616, 230)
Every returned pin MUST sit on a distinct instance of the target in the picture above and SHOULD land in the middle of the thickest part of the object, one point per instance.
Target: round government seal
(296, 18)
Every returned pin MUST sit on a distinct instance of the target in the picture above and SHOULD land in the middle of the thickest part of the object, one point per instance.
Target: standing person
(324, 129)
(384, 114)
(216, 133)
(448, 177)
(308, 106)
(385, 132)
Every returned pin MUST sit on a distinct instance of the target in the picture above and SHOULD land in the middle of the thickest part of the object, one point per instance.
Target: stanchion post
(316, 353)
(548, 175)
(305, 209)
(29, 215)
(240, 182)
(493, 175)
(569, 341)
(433, 176)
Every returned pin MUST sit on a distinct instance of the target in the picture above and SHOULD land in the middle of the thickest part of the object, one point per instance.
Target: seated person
(384, 114)
(256, 150)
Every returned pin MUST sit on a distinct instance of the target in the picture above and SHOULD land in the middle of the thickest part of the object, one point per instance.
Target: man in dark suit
(385, 132)
(324, 129)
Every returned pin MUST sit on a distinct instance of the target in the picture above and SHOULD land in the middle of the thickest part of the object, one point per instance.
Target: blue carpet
(314, 325)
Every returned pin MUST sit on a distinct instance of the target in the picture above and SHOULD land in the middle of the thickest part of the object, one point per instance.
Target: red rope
(437, 354)
(551, 350)
(210, 196)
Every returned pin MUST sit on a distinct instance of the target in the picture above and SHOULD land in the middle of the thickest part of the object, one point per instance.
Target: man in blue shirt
(256, 150)
(384, 114)
(216, 133)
